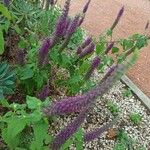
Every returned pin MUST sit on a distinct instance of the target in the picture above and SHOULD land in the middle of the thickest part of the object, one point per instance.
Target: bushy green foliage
(135, 118)
(113, 108)
(24, 125)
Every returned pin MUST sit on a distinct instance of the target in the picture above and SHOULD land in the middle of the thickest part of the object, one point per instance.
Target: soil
(100, 16)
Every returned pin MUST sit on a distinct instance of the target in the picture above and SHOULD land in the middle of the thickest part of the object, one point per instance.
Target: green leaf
(14, 128)
(115, 50)
(33, 102)
(40, 135)
(26, 73)
(5, 11)
(84, 67)
(67, 144)
(4, 103)
(1, 41)
(79, 139)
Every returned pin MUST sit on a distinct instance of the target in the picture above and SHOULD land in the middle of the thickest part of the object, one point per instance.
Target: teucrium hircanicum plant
(53, 59)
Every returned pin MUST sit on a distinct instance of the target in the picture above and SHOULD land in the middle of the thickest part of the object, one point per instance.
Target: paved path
(100, 17)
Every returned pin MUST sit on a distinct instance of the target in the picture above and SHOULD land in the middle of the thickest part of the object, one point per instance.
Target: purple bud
(43, 51)
(44, 93)
(73, 26)
(86, 6)
(95, 62)
(86, 42)
(21, 56)
(61, 24)
(88, 50)
(147, 25)
(109, 47)
(6, 2)
(79, 50)
(81, 20)
(68, 131)
(94, 65)
(66, 8)
(118, 18)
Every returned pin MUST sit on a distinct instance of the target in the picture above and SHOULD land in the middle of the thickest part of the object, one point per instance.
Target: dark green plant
(136, 118)
(127, 93)
(113, 108)
(7, 80)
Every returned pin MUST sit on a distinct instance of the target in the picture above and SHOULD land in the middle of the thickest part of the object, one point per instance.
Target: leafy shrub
(113, 108)
(135, 118)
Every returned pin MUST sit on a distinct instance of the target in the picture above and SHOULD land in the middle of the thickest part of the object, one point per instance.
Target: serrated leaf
(40, 134)
(33, 102)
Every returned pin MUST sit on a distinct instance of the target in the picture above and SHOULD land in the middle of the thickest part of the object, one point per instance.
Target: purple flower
(94, 65)
(79, 50)
(83, 45)
(68, 131)
(71, 29)
(86, 6)
(21, 56)
(43, 51)
(6, 2)
(118, 18)
(109, 47)
(77, 103)
(88, 50)
(61, 24)
(86, 42)
(97, 132)
(44, 93)
(73, 26)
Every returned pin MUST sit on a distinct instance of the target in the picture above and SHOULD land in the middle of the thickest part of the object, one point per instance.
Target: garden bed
(46, 80)
(122, 102)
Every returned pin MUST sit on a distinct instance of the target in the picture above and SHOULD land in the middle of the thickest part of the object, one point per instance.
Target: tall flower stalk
(118, 18)
(94, 65)
(77, 103)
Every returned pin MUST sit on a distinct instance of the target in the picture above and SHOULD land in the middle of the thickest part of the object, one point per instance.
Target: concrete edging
(144, 99)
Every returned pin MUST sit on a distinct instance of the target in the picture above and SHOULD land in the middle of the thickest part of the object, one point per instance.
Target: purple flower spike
(21, 57)
(77, 103)
(88, 50)
(95, 62)
(97, 132)
(73, 26)
(6, 2)
(118, 18)
(94, 65)
(66, 8)
(86, 42)
(86, 6)
(62, 21)
(43, 52)
(68, 131)
(110, 46)
(44, 93)
(79, 50)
